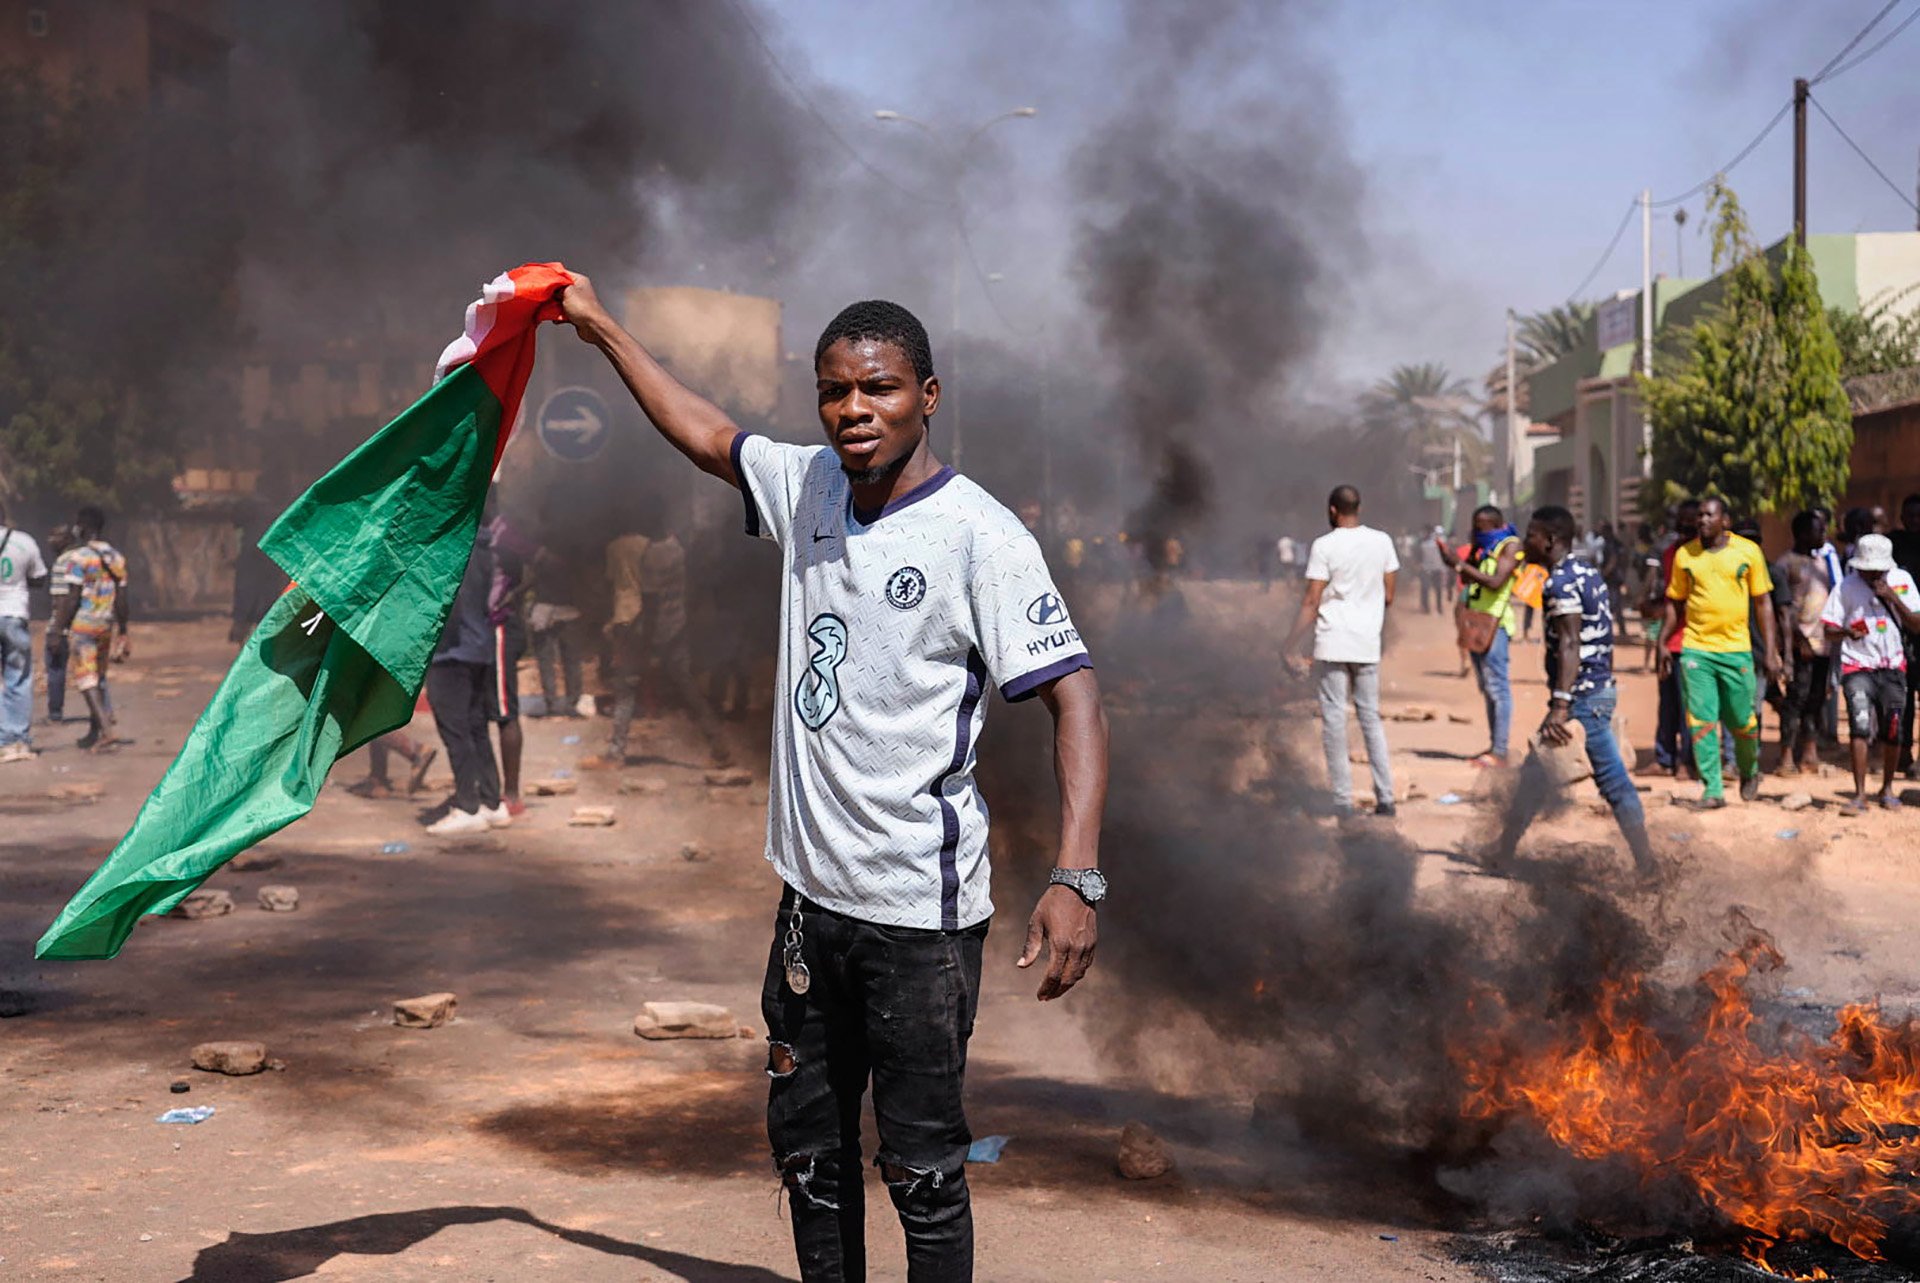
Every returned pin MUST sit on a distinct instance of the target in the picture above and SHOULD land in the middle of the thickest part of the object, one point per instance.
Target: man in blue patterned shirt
(1579, 637)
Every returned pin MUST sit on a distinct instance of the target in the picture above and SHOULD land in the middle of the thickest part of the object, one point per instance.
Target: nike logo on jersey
(819, 535)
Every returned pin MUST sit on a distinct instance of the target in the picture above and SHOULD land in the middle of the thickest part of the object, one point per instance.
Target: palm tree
(1418, 413)
(1545, 337)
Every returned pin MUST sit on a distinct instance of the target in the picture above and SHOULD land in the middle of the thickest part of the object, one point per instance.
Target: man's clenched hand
(581, 308)
(1067, 925)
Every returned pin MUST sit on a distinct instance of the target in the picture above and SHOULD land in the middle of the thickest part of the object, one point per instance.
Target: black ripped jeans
(896, 1005)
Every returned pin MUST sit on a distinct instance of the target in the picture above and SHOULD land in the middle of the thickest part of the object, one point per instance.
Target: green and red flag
(375, 551)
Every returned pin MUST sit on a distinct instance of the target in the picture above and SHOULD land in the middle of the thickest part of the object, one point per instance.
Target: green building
(1587, 445)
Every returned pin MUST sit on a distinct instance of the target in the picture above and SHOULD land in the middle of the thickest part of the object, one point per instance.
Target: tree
(1750, 408)
(1877, 339)
(1544, 337)
(1417, 415)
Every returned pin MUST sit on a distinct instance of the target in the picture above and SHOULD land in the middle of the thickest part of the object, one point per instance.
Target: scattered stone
(1459, 719)
(179, 1086)
(1567, 763)
(279, 899)
(1143, 1155)
(1413, 713)
(253, 861)
(730, 779)
(204, 904)
(556, 786)
(658, 1020)
(428, 1012)
(234, 1058)
(277, 1065)
(746, 1031)
(694, 853)
(592, 817)
(78, 791)
(166, 692)
(630, 784)
(1796, 801)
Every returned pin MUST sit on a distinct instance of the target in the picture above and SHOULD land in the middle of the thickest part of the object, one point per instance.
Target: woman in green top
(1488, 581)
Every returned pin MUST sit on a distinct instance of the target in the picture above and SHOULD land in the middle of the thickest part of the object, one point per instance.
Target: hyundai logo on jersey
(1046, 609)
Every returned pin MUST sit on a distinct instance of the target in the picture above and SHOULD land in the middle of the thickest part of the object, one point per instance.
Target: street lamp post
(957, 163)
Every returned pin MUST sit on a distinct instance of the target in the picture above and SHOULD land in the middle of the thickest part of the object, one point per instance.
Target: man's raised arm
(696, 426)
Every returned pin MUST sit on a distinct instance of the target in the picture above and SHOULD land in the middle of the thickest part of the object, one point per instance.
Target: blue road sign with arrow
(574, 424)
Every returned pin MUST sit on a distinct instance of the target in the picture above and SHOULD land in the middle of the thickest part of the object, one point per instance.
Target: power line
(1727, 168)
(820, 116)
(1873, 22)
(986, 286)
(1882, 43)
(1891, 185)
(1607, 254)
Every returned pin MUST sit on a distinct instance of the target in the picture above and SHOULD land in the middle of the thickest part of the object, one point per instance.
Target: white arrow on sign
(584, 427)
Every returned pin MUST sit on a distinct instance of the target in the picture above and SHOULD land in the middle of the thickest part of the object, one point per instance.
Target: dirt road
(536, 1137)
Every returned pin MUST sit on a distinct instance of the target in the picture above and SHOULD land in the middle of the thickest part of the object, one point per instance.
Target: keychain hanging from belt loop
(799, 979)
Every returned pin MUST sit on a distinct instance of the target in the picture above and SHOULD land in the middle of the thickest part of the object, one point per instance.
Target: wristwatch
(1089, 884)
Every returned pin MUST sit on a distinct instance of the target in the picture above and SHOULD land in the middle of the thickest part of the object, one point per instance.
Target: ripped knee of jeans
(797, 1172)
(780, 1059)
(904, 1178)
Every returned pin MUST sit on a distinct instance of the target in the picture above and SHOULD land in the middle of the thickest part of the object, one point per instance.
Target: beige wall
(725, 346)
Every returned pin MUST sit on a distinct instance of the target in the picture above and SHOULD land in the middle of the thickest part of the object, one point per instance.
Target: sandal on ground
(377, 789)
(1891, 802)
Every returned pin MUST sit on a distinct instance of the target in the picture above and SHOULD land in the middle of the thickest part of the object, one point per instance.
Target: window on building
(36, 22)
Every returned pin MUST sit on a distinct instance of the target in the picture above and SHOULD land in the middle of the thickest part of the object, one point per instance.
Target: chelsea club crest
(906, 588)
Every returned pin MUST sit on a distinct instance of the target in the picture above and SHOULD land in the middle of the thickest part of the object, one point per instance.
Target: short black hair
(1488, 510)
(1857, 522)
(1912, 498)
(1803, 523)
(883, 322)
(1748, 528)
(1558, 522)
(1344, 500)
(91, 520)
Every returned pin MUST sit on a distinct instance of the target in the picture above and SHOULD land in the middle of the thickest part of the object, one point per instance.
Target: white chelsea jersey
(891, 628)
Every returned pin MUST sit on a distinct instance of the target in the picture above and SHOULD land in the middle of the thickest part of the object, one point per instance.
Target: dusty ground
(536, 1137)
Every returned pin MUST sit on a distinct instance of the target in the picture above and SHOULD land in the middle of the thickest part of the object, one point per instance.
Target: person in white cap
(1870, 613)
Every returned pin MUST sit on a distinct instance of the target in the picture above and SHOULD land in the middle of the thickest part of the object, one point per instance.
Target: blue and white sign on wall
(574, 424)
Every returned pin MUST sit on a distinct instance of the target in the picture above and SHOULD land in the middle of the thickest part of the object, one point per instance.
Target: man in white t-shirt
(1870, 614)
(20, 561)
(906, 592)
(1350, 576)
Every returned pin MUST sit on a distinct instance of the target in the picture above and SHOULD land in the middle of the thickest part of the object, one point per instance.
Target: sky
(1499, 142)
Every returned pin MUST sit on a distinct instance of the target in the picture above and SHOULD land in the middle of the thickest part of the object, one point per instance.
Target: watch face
(1093, 885)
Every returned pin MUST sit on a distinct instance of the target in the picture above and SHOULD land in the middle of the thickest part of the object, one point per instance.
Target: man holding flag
(907, 589)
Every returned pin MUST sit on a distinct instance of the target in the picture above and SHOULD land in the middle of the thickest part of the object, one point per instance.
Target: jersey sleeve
(771, 475)
(1759, 582)
(1563, 596)
(1317, 562)
(1025, 634)
(1393, 559)
(1679, 579)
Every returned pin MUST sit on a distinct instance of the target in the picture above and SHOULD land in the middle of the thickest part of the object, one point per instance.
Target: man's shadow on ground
(296, 1253)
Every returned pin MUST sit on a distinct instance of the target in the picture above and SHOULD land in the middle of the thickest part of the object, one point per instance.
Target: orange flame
(1788, 1141)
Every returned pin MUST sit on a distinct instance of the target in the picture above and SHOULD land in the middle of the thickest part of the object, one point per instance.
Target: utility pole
(1800, 162)
(1510, 461)
(1646, 281)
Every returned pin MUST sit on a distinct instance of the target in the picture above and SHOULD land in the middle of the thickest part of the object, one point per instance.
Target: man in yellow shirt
(1722, 578)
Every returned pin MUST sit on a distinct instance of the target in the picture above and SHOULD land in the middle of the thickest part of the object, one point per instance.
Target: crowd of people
(85, 578)
(518, 595)
(1834, 621)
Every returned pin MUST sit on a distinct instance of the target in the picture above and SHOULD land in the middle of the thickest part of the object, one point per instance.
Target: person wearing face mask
(1870, 616)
